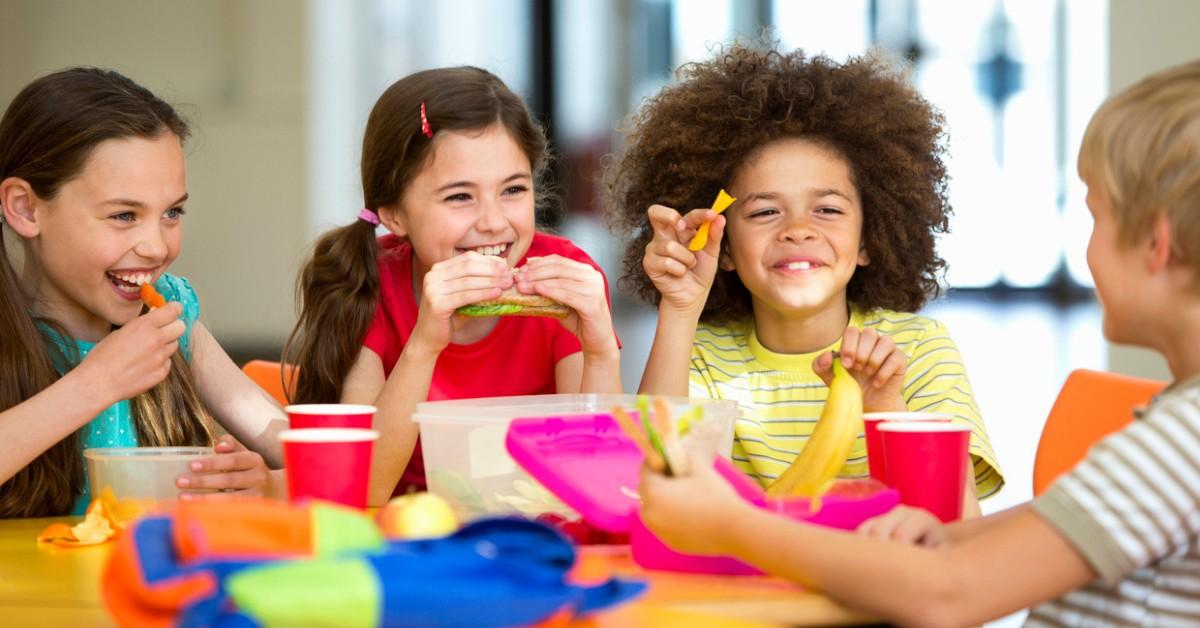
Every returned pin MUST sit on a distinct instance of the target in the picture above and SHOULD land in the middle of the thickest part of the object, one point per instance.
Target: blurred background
(278, 92)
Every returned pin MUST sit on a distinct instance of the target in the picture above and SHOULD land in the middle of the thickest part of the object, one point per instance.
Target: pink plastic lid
(586, 460)
(593, 466)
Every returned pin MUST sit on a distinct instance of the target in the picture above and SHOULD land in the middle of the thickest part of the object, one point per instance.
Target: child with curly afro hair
(828, 250)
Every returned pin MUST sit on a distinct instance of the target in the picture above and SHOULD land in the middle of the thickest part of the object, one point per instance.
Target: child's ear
(394, 220)
(19, 203)
(1159, 249)
(725, 260)
(863, 258)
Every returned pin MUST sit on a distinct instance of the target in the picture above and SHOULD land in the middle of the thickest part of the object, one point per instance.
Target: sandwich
(514, 303)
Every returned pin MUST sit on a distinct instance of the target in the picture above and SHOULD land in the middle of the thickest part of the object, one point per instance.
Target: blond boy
(1113, 542)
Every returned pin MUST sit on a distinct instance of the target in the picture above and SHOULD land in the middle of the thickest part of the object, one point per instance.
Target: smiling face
(475, 194)
(113, 226)
(794, 234)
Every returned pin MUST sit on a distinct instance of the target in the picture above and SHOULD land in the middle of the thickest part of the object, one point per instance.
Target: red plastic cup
(311, 415)
(927, 463)
(333, 464)
(871, 420)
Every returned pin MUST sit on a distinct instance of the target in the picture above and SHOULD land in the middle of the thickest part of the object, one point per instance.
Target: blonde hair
(1143, 148)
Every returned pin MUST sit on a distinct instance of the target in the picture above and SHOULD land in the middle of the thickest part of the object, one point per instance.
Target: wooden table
(43, 585)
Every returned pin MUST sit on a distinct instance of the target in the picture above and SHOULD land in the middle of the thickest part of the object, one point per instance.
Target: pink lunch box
(590, 464)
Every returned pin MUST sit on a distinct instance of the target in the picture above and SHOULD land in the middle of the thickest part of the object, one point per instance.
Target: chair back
(270, 377)
(1090, 406)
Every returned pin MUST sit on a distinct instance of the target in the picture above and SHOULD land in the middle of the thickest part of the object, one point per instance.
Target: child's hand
(234, 471)
(876, 363)
(907, 525)
(690, 513)
(450, 284)
(681, 276)
(136, 357)
(578, 286)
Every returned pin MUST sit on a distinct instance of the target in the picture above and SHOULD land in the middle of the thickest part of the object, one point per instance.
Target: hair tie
(368, 216)
(425, 128)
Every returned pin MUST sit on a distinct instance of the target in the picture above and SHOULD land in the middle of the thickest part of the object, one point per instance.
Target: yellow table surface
(44, 585)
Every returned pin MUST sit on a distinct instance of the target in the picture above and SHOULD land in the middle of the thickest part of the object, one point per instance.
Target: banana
(825, 453)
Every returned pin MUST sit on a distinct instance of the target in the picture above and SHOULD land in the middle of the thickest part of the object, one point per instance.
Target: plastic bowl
(140, 473)
(467, 463)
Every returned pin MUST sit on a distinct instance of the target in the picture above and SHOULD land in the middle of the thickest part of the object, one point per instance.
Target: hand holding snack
(580, 288)
(136, 357)
(451, 284)
(683, 277)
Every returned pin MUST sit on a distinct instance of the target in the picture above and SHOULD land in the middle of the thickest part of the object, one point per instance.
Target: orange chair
(1090, 406)
(270, 376)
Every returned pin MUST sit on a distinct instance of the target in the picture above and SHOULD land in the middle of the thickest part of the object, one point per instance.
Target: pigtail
(50, 484)
(337, 291)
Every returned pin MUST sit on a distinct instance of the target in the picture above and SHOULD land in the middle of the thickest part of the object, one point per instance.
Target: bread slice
(514, 303)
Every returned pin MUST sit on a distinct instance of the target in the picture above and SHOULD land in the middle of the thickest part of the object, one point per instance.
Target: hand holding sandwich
(450, 284)
(580, 288)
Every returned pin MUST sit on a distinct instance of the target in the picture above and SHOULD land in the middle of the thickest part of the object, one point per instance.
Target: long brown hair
(338, 287)
(46, 136)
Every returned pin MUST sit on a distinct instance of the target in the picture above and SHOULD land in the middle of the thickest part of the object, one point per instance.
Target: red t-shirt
(517, 358)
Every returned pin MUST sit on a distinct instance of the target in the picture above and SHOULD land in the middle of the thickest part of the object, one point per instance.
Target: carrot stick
(672, 448)
(643, 406)
(151, 297)
(653, 459)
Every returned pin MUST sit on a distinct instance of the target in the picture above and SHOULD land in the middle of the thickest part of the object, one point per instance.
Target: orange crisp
(151, 297)
(106, 516)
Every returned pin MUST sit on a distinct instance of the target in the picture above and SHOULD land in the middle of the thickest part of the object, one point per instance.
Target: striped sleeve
(700, 381)
(936, 381)
(1135, 499)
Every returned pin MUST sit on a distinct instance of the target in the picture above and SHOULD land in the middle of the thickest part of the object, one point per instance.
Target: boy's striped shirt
(780, 398)
(1132, 510)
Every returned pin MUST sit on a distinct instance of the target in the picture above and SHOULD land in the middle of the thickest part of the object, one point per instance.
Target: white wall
(1144, 37)
(238, 72)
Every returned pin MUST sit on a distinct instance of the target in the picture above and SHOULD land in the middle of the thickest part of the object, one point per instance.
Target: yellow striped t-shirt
(780, 398)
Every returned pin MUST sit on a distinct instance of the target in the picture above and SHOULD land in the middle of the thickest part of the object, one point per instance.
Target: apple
(417, 516)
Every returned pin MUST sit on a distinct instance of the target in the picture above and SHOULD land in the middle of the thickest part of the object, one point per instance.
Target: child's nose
(152, 244)
(491, 217)
(797, 227)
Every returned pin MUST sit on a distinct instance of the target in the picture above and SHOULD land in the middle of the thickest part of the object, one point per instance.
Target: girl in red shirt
(452, 166)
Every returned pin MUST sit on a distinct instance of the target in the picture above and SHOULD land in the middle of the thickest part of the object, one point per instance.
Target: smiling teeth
(490, 250)
(136, 279)
(799, 266)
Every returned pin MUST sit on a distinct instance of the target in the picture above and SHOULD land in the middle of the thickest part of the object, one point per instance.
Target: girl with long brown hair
(452, 166)
(93, 186)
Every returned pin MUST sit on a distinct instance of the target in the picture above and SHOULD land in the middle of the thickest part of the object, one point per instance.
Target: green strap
(330, 592)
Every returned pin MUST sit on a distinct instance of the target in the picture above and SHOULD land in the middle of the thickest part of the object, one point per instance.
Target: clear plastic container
(467, 464)
(145, 474)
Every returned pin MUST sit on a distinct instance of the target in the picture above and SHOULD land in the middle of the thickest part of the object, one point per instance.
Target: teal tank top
(114, 426)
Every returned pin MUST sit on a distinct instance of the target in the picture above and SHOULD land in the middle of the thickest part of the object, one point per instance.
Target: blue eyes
(173, 214)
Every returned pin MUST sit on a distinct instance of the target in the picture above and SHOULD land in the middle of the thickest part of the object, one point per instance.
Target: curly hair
(688, 141)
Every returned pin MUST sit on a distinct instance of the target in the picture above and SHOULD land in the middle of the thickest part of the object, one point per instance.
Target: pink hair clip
(369, 216)
(425, 128)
